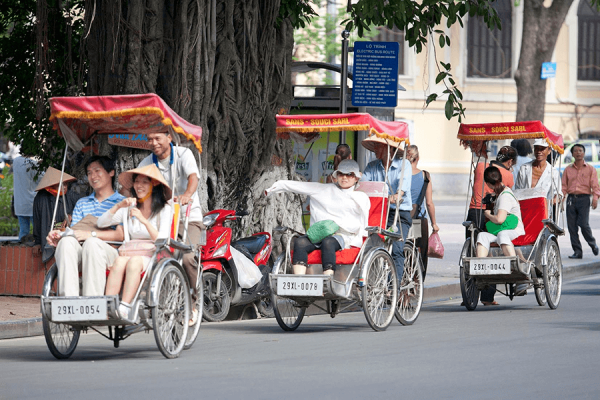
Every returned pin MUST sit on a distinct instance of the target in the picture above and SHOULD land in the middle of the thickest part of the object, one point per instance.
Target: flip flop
(490, 303)
(194, 318)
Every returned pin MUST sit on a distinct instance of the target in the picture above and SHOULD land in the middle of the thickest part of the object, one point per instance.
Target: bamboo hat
(52, 177)
(126, 178)
(369, 143)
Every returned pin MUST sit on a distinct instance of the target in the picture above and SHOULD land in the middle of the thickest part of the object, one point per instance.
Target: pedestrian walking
(580, 182)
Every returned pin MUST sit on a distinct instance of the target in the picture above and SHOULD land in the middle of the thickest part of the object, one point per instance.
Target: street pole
(344, 80)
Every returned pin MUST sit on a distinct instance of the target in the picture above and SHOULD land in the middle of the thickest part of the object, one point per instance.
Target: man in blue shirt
(389, 158)
(87, 250)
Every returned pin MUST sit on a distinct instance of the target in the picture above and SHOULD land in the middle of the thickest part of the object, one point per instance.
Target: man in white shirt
(179, 162)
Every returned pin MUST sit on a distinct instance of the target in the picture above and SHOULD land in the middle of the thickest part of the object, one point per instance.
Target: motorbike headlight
(209, 219)
(220, 251)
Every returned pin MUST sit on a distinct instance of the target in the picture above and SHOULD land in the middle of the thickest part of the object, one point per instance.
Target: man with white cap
(539, 172)
(389, 158)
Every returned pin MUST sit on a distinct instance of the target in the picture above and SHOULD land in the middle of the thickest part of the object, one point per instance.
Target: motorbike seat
(252, 243)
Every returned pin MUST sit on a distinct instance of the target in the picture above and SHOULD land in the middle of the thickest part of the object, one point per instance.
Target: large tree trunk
(221, 64)
(541, 26)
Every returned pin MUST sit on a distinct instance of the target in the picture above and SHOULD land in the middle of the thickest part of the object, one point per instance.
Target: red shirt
(507, 179)
(582, 180)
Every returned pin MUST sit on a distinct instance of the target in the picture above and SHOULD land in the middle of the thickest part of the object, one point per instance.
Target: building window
(392, 35)
(588, 53)
(489, 53)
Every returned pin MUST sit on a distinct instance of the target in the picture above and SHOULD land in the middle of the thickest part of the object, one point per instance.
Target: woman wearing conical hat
(43, 208)
(149, 217)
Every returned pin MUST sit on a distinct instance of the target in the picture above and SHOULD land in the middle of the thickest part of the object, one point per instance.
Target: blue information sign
(548, 70)
(375, 71)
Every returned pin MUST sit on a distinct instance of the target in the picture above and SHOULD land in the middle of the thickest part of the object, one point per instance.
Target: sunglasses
(349, 175)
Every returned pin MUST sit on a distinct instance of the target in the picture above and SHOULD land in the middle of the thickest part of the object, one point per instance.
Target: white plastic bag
(248, 273)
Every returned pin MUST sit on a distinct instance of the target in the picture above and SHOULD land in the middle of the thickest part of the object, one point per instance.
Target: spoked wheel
(171, 315)
(288, 312)
(468, 286)
(553, 275)
(380, 292)
(61, 339)
(198, 305)
(410, 295)
(265, 304)
(216, 302)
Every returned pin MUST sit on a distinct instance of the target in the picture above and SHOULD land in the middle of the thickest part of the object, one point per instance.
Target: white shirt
(346, 207)
(507, 202)
(162, 222)
(183, 166)
(544, 183)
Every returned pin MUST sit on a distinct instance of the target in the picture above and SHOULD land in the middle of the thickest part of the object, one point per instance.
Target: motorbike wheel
(216, 305)
(265, 304)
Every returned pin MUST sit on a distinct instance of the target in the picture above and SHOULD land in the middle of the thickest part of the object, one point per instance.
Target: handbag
(436, 248)
(320, 230)
(509, 223)
(137, 247)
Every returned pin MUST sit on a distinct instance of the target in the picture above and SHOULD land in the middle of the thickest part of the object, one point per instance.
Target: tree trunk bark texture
(541, 26)
(220, 64)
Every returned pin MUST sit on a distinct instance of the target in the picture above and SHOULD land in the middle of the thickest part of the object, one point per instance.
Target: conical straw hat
(126, 178)
(369, 143)
(52, 177)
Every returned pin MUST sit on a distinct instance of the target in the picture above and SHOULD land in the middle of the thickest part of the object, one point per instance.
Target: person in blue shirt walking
(390, 158)
(87, 250)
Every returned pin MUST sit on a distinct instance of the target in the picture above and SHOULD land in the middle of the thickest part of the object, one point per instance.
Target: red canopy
(308, 126)
(136, 113)
(510, 130)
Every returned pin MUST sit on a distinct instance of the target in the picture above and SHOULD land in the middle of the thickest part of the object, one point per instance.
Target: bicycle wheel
(171, 315)
(61, 339)
(468, 285)
(553, 274)
(288, 312)
(410, 294)
(198, 305)
(380, 290)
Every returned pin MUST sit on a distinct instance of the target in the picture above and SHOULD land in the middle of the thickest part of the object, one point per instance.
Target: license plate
(79, 310)
(299, 286)
(489, 266)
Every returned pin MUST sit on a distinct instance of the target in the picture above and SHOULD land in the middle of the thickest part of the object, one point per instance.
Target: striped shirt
(89, 205)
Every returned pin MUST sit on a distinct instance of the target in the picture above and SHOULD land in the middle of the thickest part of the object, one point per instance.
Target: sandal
(194, 318)
(490, 303)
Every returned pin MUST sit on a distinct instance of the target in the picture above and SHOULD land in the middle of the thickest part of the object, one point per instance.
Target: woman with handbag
(504, 225)
(421, 189)
(147, 217)
(338, 216)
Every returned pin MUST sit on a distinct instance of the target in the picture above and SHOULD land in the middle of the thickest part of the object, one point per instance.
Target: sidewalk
(20, 316)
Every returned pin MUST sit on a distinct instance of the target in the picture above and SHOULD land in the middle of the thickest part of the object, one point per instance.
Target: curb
(33, 326)
(21, 328)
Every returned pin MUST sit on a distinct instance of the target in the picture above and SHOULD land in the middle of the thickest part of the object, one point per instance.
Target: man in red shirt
(580, 180)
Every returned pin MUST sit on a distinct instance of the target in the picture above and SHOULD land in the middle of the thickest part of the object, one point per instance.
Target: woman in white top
(149, 217)
(338, 202)
(506, 204)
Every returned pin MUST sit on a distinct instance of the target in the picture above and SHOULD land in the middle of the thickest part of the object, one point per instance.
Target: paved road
(516, 350)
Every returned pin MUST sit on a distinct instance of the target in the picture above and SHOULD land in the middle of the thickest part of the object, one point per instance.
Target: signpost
(375, 73)
(548, 70)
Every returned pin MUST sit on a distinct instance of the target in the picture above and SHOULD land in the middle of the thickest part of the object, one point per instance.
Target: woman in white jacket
(149, 217)
(338, 202)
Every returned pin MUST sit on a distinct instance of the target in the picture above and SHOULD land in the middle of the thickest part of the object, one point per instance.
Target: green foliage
(299, 12)
(18, 66)
(9, 225)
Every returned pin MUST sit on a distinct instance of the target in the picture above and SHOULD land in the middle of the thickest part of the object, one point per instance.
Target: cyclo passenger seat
(378, 196)
(533, 212)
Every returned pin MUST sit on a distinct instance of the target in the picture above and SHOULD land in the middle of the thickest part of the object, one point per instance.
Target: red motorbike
(221, 275)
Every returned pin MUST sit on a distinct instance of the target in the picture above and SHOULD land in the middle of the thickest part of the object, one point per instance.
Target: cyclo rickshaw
(364, 276)
(163, 300)
(537, 262)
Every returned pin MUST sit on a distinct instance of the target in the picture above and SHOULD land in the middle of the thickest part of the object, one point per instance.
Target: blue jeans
(405, 222)
(24, 225)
